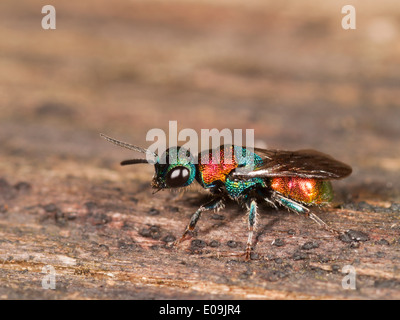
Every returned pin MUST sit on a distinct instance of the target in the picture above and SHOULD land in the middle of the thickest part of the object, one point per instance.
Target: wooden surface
(287, 70)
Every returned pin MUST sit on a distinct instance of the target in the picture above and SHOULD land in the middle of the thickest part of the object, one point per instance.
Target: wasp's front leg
(214, 204)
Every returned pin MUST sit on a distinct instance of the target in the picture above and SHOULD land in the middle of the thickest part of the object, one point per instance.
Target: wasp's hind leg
(214, 204)
(299, 208)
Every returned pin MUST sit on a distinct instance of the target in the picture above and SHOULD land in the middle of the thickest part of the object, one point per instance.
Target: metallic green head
(175, 168)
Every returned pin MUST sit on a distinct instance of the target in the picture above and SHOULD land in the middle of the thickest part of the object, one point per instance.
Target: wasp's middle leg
(252, 220)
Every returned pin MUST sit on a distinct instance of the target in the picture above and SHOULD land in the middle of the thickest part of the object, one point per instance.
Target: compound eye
(177, 177)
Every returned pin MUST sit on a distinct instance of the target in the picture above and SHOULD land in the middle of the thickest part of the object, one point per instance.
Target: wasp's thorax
(175, 169)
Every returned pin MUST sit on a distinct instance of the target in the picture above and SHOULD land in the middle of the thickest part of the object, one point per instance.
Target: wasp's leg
(215, 204)
(252, 216)
(299, 208)
(267, 197)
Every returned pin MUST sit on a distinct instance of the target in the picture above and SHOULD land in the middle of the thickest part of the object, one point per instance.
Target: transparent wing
(301, 163)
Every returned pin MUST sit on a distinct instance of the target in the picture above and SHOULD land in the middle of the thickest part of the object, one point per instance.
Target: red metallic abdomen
(303, 189)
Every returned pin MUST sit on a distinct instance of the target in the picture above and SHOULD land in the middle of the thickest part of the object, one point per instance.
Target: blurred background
(286, 69)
